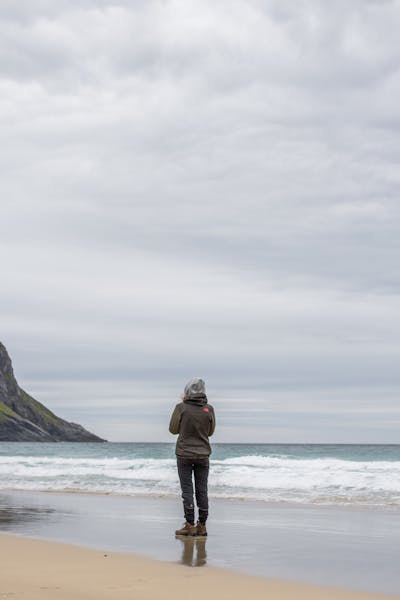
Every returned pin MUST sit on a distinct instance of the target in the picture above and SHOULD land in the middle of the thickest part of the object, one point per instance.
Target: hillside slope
(24, 419)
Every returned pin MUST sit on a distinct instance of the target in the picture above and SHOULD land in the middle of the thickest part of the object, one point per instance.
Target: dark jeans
(187, 467)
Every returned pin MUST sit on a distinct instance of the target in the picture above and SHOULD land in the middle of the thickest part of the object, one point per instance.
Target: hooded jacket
(194, 420)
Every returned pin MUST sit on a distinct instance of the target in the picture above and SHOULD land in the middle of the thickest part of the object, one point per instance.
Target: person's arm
(175, 421)
(212, 423)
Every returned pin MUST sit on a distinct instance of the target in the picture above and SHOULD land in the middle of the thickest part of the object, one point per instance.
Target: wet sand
(36, 570)
(348, 548)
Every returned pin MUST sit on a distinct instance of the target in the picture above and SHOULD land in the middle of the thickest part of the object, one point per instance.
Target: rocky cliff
(24, 419)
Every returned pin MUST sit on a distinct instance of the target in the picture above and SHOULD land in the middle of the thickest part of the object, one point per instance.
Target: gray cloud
(203, 189)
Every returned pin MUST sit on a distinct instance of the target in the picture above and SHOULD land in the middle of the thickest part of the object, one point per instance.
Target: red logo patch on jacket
(205, 409)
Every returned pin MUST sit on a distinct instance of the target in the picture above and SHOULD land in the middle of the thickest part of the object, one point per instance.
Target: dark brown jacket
(194, 421)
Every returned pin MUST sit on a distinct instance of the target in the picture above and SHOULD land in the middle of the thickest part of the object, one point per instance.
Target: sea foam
(267, 476)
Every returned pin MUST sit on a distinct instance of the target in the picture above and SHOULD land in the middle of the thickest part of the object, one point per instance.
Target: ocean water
(307, 474)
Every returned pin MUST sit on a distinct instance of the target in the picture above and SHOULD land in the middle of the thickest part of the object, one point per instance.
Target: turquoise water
(317, 474)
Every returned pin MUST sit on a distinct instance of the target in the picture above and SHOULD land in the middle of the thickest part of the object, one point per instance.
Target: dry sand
(37, 570)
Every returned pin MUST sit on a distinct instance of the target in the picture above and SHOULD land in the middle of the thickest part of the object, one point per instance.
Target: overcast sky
(204, 189)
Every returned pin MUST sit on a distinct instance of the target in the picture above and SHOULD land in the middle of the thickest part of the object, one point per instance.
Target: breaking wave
(322, 480)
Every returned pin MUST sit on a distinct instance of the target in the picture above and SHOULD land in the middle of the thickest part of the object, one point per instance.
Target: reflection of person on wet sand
(188, 557)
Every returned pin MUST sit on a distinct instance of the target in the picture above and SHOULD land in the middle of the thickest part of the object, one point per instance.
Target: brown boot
(188, 529)
(201, 530)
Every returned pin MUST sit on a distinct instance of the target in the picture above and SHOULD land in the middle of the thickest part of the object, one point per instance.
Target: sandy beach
(35, 570)
(346, 549)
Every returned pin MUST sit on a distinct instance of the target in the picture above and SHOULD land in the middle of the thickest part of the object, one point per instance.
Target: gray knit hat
(195, 388)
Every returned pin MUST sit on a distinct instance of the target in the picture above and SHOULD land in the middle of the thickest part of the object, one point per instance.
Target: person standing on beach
(194, 420)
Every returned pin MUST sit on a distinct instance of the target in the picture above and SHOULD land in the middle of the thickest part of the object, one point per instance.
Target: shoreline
(37, 569)
(339, 547)
(271, 503)
(342, 548)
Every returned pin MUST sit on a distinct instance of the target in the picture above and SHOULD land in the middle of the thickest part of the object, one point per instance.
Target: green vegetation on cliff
(39, 408)
(6, 412)
(24, 419)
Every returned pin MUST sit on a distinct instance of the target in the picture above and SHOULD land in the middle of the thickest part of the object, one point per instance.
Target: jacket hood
(195, 391)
